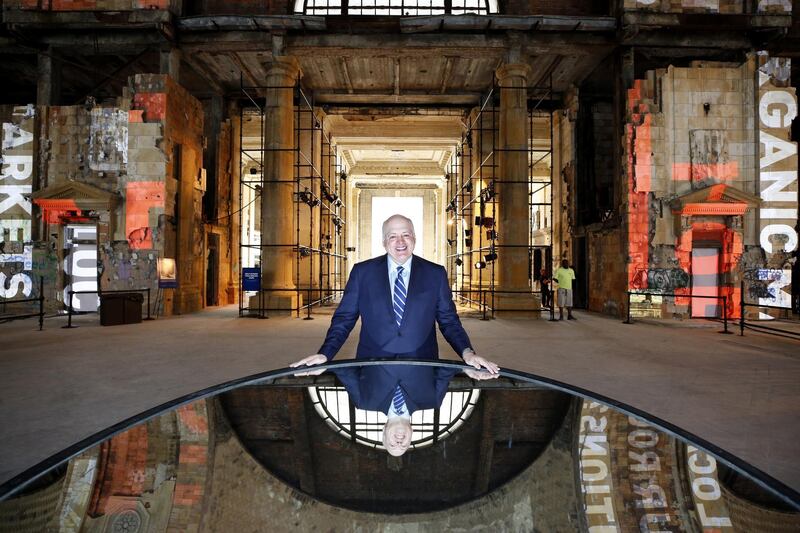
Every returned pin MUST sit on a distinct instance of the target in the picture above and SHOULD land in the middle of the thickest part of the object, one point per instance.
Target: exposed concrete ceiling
(392, 146)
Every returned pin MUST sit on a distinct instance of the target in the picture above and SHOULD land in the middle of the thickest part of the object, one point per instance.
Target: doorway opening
(705, 280)
(212, 270)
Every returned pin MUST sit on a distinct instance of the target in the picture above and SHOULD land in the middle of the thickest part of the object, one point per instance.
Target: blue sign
(251, 279)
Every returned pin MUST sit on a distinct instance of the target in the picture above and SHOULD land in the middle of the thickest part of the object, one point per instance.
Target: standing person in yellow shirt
(564, 276)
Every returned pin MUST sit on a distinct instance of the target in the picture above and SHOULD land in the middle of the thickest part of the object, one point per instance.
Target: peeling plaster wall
(690, 154)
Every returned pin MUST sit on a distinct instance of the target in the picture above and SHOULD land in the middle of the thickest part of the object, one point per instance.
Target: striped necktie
(398, 401)
(399, 297)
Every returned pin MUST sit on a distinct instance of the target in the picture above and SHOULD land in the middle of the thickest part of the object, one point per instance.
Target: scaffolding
(475, 247)
(319, 181)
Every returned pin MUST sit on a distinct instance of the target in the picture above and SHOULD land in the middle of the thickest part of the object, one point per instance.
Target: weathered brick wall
(95, 5)
(179, 115)
(553, 7)
(250, 7)
(564, 178)
(607, 287)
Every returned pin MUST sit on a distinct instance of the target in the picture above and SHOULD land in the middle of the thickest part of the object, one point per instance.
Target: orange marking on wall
(153, 104)
(140, 197)
(187, 494)
(701, 171)
(192, 420)
(193, 454)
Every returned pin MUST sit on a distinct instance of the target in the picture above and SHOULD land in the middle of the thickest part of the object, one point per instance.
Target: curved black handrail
(769, 483)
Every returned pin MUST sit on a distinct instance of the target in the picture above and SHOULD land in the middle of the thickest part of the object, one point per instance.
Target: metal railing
(486, 294)
(724, 299)
(40, 314)
(759, 327)
(99, 293)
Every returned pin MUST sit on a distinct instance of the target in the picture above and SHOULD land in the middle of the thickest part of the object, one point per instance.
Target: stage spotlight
(480, 264)
(468, 243)
(459, 262)
(491, 235)
(487, 222)
(451, 242)
(491, 256)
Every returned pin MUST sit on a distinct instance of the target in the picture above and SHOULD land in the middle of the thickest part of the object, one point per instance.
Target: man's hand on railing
(472, 359)
(480, 375)
(311, 360)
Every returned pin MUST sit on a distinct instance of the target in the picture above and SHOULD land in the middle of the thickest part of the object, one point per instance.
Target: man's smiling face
(399, 239)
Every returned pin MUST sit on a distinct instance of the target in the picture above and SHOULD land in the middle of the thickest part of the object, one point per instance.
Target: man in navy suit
(398, 320)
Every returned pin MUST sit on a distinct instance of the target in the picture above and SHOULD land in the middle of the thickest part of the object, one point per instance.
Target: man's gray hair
(386, 223)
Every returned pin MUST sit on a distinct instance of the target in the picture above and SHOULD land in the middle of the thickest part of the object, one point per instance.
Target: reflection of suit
(372, 387)
(368, 295)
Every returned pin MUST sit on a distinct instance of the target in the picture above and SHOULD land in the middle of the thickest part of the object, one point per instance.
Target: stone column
(512, 190)
(277, 205)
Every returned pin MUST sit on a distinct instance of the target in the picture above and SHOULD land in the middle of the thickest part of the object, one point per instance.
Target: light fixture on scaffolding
(486, 222)
(490, 257)
(451, 242)
(459, 261)
(491, 235)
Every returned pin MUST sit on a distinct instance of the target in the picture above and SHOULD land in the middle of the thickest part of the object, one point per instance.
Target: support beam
(48, 79)
(214, 116)
(303, 460)
(346, 75)
(248, 75)
(448, 69)
(396, 76)
(170, 60)
(485, 451)
(195, 61)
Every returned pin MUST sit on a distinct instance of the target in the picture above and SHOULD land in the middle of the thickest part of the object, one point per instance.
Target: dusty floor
(61, 385)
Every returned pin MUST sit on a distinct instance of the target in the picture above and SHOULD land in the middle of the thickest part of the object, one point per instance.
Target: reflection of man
(400, 298)
(375, 388)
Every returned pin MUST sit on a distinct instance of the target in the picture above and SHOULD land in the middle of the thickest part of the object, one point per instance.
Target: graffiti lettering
(777, 107)
(16, 184)
(661, 279)
(595, 468)
(711, 509)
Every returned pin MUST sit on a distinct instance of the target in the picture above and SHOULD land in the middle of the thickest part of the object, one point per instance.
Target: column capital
(513, 70)
(288, 67)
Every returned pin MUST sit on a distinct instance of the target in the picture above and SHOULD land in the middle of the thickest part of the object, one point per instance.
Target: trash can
(120, 308)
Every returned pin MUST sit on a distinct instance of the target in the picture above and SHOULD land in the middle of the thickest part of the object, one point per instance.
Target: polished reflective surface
(287, 452)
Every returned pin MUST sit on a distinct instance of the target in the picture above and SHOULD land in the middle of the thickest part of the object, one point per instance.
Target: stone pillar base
(278, 303)
(517, 305)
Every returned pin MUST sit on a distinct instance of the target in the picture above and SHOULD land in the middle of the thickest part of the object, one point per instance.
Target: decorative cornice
(715, 208)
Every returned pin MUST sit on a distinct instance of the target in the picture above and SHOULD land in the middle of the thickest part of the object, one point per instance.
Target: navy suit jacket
(368, 295)
(372, 387)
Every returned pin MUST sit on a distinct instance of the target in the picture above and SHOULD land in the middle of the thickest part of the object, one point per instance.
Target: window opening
(398, 8)
(428, 426)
